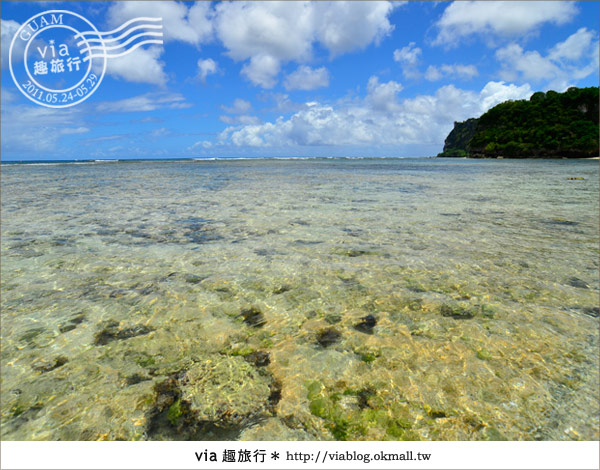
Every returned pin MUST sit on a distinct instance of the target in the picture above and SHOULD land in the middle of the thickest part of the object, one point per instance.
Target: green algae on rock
(457, 311)
(328, 336)
(112, 331)
(253, 316)
(356, 414)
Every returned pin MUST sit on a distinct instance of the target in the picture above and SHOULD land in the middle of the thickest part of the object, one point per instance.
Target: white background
(171, 455)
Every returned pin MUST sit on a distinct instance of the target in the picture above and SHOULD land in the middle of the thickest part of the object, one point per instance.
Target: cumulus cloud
(239, 106)
(566, 62)
(282, 30)
(408, 57)
(433, 73)
(499, 19)
(382, 96)
(464, 72)
(306, 78)
(140, 66)
(206, 67)
(269, 34)
(193, 25)
(263, 35)
(348, 26)
(146, 102)
(528, 64)
(408, 54)
(378, 118)
(498, 92)
(574, 47)
(262, 70)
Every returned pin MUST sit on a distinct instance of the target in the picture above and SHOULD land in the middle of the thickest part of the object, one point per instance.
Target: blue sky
(301, 78)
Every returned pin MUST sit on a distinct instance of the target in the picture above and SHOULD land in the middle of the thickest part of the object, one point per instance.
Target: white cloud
(146, 102)
(206, 67)
(408, 54)
(140, 66)
(200, 18)
(464, 72)
(433, 73)
(262, 70)
(306, 78)
(264, 35)
(497, 92)
(8, 28)
(244, 119)
(269, 34)
(239, 106)
(574, 47)
(408, 57)
(382, 96)
(505, 19)
(530, 65)
(566, 62)
(281, 30)
(348, 26)
(377, 119)
(193, 26)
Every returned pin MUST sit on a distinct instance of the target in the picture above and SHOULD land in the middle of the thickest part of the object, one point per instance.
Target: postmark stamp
(58, 58)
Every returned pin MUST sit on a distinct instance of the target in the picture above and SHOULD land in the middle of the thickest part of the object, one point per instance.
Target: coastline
(225, 159)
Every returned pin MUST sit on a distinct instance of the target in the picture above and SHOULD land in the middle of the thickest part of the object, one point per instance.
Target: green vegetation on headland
(548, 125)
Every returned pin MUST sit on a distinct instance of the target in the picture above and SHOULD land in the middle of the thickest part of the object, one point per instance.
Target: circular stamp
(48, 62)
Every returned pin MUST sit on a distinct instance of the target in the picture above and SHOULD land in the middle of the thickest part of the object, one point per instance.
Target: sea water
(227, 299)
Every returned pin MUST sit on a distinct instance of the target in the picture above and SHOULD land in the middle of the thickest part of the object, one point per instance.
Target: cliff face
(457, 144)
(547, 125)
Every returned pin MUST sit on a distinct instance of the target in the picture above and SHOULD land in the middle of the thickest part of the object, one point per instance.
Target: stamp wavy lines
(148, 35)
(131, 49)
(126, 33)
(124, 25)
(101, 51)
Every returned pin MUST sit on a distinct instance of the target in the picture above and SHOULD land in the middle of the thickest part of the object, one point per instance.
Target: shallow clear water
(220, 300)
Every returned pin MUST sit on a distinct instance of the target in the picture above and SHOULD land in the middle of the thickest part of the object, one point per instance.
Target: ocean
(300, 299)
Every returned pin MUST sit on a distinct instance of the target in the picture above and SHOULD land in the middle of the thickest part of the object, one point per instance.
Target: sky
(299, 79)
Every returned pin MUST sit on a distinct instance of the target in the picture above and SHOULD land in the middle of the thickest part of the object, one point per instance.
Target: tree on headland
(549, 124)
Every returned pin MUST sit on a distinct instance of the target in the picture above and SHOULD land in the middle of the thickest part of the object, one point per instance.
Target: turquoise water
(300, 299)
